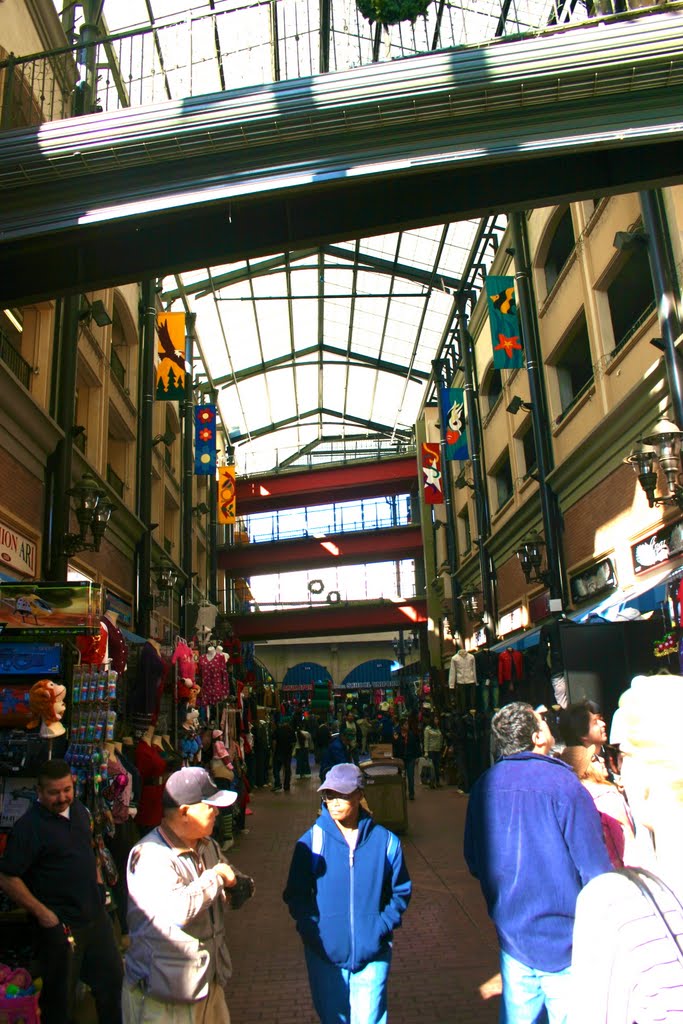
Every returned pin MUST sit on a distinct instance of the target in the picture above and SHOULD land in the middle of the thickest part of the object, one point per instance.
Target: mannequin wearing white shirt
(462, 680)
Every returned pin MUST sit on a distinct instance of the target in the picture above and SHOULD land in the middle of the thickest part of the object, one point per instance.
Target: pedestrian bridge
(570, 112)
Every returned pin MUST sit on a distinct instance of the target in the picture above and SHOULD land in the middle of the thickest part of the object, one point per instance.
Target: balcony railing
(14, 361)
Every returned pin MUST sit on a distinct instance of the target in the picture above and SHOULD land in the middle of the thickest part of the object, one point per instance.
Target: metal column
(481, 500)
(550, 511)
(187, 476)
(144, 481)
(667, 291)
(439, 369)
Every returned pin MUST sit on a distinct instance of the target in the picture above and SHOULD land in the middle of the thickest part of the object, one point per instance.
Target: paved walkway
(445, 955)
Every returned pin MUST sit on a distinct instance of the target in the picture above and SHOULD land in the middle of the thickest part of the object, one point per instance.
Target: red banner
(431, 473)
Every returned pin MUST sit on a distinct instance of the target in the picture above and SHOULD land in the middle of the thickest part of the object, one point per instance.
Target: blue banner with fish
(506, 337)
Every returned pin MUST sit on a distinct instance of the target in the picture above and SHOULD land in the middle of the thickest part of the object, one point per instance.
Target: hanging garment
(183, 656)
(510, 668)
(151, 765)
(146, 691)
(214, 679)
(117, 648)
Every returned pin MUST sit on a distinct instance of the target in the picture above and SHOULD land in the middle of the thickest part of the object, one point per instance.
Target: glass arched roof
(324, 353)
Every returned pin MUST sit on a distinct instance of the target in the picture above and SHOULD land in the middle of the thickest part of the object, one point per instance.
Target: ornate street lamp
(530, 555)
(93, 513)
(662, 446)
(167, 577)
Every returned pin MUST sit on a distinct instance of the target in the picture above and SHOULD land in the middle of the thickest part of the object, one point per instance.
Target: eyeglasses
(344, 798)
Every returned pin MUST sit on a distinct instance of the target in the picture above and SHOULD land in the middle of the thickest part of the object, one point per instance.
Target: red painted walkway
(445, 955)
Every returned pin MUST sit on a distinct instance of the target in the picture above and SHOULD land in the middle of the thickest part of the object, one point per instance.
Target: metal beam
(361, 479)
(331, 619)
(356, 358)
(443, 282)
(426, 140)
(322, 552)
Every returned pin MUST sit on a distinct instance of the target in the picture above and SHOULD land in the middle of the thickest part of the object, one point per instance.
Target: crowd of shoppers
(575, 841)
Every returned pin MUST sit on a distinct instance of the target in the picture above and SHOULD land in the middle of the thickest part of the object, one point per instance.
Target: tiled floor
(445, 955)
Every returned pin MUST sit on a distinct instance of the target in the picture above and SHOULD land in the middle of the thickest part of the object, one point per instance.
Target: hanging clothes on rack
(146, 692)
(215, 683)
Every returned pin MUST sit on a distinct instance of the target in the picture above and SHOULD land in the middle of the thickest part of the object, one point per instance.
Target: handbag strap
(640, 877)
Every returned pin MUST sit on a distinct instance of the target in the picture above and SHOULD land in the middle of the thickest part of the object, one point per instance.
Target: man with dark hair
(348, 888)
(533, 839)
(283, 740)
(49, 869)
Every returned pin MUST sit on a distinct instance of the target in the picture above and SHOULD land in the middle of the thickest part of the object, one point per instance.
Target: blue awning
(132, 638)
(520, 642)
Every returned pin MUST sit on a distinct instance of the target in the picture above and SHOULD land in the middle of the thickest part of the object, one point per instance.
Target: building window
(573, 363)
(501, 476)
(528, 449)
(631, 294)
(559, 250)
(11, 333)
(464, 533)
(492, 387)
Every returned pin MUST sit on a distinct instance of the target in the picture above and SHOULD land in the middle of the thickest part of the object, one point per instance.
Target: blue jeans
(341, 996)
(528, 993)
(410, 775)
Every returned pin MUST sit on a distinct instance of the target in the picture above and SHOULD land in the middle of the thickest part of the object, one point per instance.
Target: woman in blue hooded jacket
(347, 890)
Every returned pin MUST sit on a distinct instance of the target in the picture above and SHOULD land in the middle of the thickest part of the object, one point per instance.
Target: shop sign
(17, 551)
(45, 609)
(593, 581)
(297, 688)
(516, 619)
(658, 548)
(354, 685)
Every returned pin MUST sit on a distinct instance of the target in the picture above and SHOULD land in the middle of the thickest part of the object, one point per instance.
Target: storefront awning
(520, 642)
(644, 597)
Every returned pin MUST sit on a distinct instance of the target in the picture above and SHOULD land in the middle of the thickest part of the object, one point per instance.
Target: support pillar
(667, 291)
(187, 477)
(144, 482)
(550, 511)
(62, 460)
(481, 500)
(439, 369)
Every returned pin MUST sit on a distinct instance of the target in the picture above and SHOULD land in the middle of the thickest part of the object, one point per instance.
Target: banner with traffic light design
(204, 440)
(431, 473)
(170, 370)
(227, 498)
(506, 337)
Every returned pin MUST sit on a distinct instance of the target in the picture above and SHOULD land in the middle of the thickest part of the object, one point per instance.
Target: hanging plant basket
(390, 12)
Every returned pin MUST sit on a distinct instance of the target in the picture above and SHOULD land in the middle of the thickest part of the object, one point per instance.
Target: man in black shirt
(49, 869)
(283, 741)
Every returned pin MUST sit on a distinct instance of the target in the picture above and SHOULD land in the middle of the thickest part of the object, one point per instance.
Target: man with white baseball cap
(179, 884)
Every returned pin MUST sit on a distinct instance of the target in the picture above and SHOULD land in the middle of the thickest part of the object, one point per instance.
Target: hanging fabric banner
(204, 440)
(170, 370)
(453, 415)
(227, 498)
(508, 353)
(431, 474)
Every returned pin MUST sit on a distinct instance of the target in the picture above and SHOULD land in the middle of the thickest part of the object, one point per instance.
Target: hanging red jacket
(510, 667)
